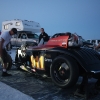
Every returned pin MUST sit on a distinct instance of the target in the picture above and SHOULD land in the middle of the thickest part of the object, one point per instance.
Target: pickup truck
(23, 38)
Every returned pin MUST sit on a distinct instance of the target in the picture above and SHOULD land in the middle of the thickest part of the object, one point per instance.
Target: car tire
(66, 75)
(9, 63)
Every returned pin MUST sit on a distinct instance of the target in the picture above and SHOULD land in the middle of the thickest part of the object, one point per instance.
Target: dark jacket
(44, 36)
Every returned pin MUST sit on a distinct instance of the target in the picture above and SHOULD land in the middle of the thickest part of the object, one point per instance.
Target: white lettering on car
(48, 60)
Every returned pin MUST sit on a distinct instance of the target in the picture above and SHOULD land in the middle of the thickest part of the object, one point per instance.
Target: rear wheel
(64, 71)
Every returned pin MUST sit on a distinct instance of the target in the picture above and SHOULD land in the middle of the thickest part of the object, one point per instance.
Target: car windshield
(32, 36)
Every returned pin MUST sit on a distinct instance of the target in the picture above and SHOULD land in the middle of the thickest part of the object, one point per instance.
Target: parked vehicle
(63, 58)
(23, 38)
(26, 31)
(94, 41)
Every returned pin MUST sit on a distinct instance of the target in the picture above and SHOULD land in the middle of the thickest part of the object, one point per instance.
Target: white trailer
(21, 25)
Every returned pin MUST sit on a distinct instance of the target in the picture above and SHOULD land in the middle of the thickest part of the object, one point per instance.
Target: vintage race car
(64, 58)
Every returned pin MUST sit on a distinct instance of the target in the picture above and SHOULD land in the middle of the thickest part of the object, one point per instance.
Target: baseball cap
(14, 30)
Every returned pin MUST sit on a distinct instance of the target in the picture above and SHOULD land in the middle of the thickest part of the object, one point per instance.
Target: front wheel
(64, 71)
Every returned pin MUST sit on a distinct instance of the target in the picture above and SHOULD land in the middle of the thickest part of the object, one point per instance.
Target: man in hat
(5, 38)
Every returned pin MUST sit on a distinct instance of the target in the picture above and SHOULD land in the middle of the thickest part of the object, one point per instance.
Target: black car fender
(89, 59)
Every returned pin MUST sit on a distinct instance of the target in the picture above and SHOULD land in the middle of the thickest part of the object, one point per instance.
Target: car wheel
(64, 71)
(9, 63)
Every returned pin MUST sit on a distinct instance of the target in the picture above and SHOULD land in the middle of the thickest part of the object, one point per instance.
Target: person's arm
(1, 46)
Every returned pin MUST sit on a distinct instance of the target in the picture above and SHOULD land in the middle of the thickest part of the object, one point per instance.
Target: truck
(26, 32)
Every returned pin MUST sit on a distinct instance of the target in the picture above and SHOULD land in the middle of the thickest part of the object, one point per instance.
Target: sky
(56, 16)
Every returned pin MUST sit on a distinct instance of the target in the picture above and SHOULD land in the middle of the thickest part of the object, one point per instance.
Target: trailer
(21, 25)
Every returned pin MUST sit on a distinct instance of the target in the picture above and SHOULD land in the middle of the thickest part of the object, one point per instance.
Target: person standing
(43, 38)
(4, 40)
